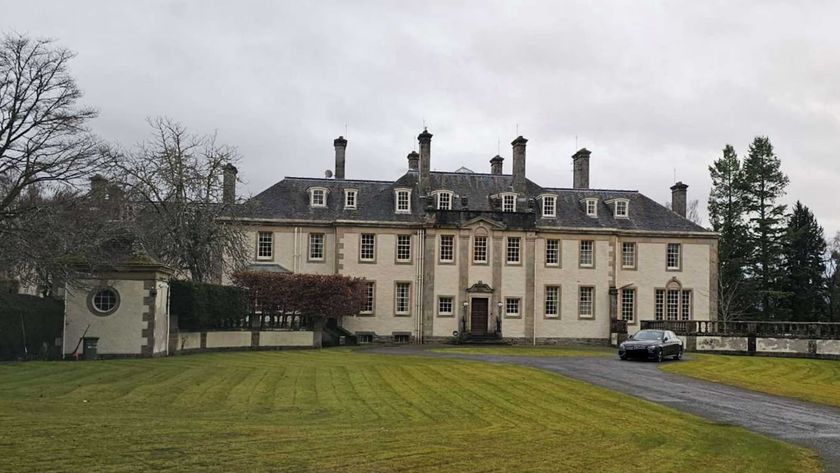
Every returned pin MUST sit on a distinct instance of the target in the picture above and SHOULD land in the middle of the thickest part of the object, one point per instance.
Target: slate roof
(289, 200)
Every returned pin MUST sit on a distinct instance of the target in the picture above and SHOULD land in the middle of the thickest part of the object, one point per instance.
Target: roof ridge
(591, 190)
(337, 180)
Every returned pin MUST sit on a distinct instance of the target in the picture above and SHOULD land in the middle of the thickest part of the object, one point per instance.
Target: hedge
(202, 306)
(41, 319)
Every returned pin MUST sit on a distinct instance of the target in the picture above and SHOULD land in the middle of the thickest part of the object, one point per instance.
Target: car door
(674, 343)
(668, 344)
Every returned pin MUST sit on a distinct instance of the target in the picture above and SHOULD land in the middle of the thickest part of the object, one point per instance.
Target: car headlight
(652, 348)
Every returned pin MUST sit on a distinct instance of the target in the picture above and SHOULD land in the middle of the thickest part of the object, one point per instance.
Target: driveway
(810, 425)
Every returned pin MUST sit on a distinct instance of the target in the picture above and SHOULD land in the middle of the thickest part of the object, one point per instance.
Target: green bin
(89, 347)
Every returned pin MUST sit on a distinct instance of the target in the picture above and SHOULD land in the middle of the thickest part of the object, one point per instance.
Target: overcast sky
(653, 89)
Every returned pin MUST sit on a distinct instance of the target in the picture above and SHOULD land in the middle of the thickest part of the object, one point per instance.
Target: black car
(652, 345)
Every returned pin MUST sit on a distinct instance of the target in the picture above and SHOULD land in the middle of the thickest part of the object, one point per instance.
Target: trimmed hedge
(41, 319)
(202, 306)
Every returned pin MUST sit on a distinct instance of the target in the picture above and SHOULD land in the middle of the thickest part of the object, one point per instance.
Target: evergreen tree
(803, 283)
(726, 215)
(763, 183)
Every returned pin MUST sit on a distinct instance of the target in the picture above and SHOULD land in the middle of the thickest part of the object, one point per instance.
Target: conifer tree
(803, 283)
(763, 183)
(726, 215)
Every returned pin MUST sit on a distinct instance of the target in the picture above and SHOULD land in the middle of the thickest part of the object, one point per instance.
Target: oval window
(104, 301)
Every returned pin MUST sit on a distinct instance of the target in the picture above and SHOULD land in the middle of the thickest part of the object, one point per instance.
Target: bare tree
(832, 276)
(43, 137)
(175, 182)
(692, 211)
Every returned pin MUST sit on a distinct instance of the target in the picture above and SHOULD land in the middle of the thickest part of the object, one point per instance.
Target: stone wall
(186, 342)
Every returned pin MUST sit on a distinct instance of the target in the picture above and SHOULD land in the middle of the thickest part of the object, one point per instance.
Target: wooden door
(479, 316)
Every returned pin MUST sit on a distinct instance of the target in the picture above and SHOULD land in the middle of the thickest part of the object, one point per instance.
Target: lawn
(809, 380)
(518, 350)
(339, 410)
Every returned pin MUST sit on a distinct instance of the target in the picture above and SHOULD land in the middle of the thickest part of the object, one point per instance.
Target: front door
(478, 316)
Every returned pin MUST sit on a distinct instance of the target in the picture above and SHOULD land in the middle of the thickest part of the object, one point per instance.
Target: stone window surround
(270, 241)
(663, 305)
(559, 263)
(486, 260)
(93, 292)
(592, 302)
(518, 304)
(677, 268)
(309, 257)
(635, 255)
(558, 301)
(361, 240)
(406, 313)
(397, 259)
(452, 304)
(580, 259)
(635, 305)
(440, 249)
(508, 261)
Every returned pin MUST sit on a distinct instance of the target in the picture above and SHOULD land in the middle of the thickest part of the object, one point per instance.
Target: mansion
(481, 254)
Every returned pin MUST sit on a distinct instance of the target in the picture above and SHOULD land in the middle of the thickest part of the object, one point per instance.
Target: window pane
(628, 255)
(445, 201)
(509, 203)
(585, 301)
(480, 249)
(403, 247)
(552, 252)
(264, 244)
(350, 199)
(512, 306)
(403, 203)
(368, 247)
(447, 248)
(445, 305)
(586, 255)
(549, 206)
(673, 255)
(316, 246)
(552, 300)
(628, 304)
(513, 249)
(401, 297)
(659, 305)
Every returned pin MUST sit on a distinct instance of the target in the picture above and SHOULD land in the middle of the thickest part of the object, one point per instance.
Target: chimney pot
(496, 165)
(413, 161)
(340, 148)
(679, 193)
(581, 169)
(519, 164)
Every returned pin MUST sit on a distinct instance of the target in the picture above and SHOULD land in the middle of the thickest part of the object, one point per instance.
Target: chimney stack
(425, 140)
(229, 183)
(519, 164)
(679, 192)
(413, 161)
(496, 165)
(581, 168)
(340, 147)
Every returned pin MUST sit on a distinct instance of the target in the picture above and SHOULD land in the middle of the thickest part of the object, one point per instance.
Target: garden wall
(186, 342)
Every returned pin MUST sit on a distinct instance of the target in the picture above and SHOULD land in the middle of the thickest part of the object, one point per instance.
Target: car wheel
(679, 354)
(659, 356)
(622, 357)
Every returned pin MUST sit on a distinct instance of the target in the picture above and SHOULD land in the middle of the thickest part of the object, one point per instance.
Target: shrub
(202, 306)
(41, 319)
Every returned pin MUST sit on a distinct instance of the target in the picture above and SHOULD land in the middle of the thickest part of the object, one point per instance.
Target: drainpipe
(419, 273)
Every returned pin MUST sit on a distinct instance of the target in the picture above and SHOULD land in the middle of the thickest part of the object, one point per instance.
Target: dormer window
(508, 202)
(444, 201)
(318, 197)
(350, 198)
(621, 208)
(402, 201)
(549, 206)
(591, 207)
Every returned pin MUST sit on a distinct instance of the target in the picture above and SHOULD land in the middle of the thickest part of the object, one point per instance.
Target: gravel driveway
(799, 422)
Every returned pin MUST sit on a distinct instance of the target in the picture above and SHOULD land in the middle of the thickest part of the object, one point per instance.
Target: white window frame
(323, 192)
(618, 204)
(512, 303)
(624, 246)
(398, 297)
(545, 200)
(556, 250)
(316, 245)
(441, 303)
(593, 202)
(405, 246)
(484, 251)
(362, 246)
(677, 255)
(583, 302)
(451, 248)
(628, 304)
(370, 298)
(347, 194)
(591, 262)
(407, 194)
(551, 301)
(270, 246)
(508, 199)
(439, 200)
(518, 248)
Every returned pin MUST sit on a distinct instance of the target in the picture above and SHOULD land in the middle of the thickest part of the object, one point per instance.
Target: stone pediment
(480, 287)
(486, 220)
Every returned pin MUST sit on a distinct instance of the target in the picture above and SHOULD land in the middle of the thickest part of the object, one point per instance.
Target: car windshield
(648, 335)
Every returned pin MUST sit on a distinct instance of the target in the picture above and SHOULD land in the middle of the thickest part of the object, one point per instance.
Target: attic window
(402, 201)
(350, 198)
(508, 202)
(318, 197)
(549, 206)
(592, 207)
(621, 208)
(444, 201)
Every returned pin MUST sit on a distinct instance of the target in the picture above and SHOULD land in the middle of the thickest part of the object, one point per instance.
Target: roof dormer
(620, 206)
(590, 206)
(318, 196)
(444, 199)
